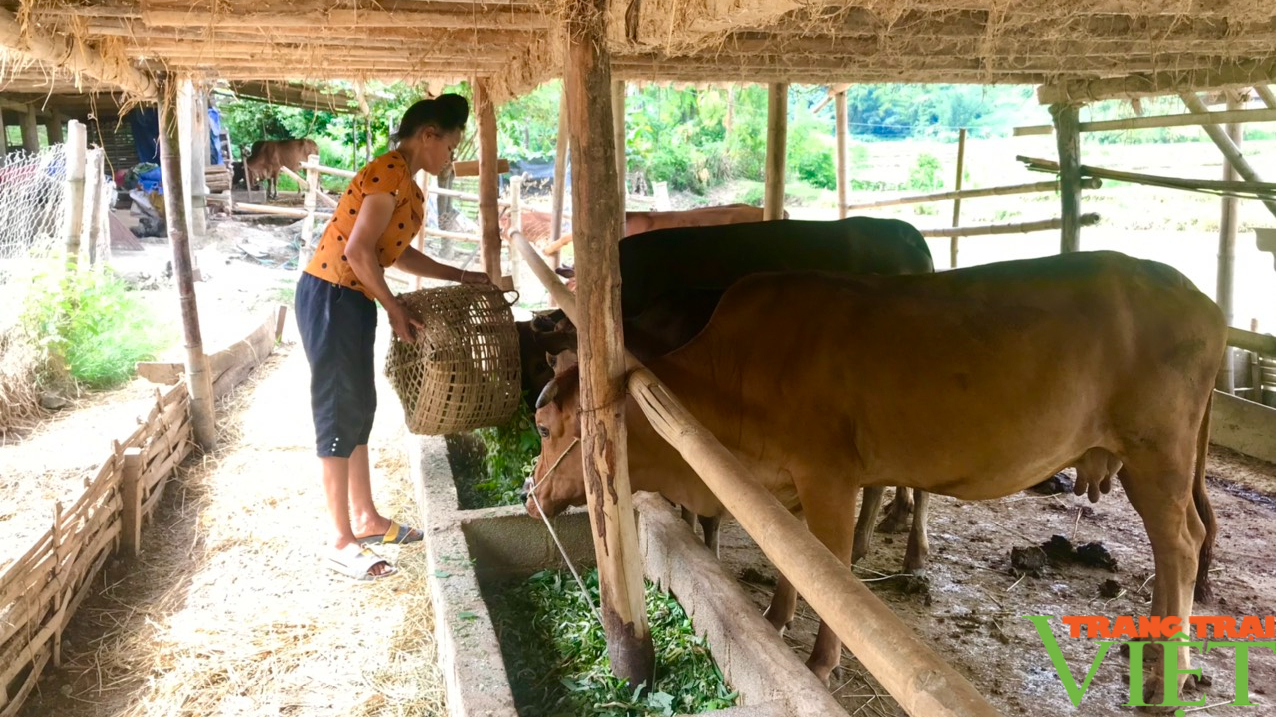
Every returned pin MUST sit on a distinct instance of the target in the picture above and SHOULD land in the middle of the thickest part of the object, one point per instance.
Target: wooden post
(1227, 222)
(30, 131)
(843, 191)
(93, 216)
(196, 203)
(618, 129)
(4, 140)
(76, 150)
(422, 181)
(488, 184)
(1068, 137)
(54, 127)
(58, 553)
(198, 379)
(1231, 153)
(307, 249)
(777, 123)
(961, 164)
(131, 490)
(516, 225)
(597, 226)
(560, 179)
(1268, 97)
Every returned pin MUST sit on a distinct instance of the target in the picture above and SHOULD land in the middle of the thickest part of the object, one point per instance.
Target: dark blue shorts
(338, 330)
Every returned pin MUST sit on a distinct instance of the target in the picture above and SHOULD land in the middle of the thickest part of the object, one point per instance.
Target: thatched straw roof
(517, 42)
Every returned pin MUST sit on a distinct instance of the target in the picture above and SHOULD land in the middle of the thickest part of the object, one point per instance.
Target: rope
(553, 534)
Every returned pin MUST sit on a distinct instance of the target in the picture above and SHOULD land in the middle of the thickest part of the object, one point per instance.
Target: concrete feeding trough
(469, 550)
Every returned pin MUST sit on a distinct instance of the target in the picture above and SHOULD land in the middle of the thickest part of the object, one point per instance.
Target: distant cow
(268, 155)
(972, 383)
(640, 222)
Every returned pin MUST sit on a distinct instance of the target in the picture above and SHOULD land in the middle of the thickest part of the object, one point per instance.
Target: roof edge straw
(914, 674)
(81, 60)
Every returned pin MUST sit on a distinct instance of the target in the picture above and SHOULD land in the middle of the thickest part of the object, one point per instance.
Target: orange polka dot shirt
(387, 174)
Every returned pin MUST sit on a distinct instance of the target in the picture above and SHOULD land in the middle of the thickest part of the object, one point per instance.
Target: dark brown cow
(972, 383)
(642, 222)
(268, 155)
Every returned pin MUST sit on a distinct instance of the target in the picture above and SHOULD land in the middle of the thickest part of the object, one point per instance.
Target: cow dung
(1058, 483)
(1097, 556)
(1109, 589)
(1059, 550)
(1030, 560)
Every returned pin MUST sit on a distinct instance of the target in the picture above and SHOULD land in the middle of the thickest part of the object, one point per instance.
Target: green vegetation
(556, 654)
(510, 454)
(88, 325)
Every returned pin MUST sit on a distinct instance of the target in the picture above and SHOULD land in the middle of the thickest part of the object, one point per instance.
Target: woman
(371, 228)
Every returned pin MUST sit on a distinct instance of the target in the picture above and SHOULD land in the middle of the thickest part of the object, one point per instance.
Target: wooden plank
(598, 225)
(166, 436)
(158, 487)
(1244, 426)
(470, 168)
(1019, 228)
(155, 470)
(160, 372)
(1004, 190)
(1189, 119)
(131, 488)
(233, 364)
(33, 678)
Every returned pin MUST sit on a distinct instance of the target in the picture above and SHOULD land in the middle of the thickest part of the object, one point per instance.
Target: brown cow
(641, 222)
(268, 155)
(972, 383)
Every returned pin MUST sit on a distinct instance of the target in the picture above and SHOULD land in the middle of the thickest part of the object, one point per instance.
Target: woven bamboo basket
(463, 371)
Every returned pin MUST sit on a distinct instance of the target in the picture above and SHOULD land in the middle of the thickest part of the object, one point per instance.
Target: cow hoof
(895, 524)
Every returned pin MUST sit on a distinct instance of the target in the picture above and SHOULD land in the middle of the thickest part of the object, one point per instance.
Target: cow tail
(1204, 592)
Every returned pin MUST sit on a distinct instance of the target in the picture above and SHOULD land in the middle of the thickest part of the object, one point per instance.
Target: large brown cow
(972, 383)
(268, 155)
(666, 303)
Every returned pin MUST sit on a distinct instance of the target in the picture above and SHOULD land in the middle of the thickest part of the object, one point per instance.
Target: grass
(556, 654)
(489, 465)
(89, 324)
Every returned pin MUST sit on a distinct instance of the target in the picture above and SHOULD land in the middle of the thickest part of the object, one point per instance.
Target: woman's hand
(475, 277)
(403, 322)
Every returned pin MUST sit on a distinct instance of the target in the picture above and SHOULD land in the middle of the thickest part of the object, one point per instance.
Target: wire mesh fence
(32, 208)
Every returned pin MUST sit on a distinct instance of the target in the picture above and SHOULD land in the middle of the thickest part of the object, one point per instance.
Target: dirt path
(973, 614)
(229, 611)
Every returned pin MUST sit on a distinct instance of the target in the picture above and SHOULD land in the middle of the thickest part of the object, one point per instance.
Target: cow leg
(918, 543)
(828, 506)
(689, 518)
(1160, 489)
(870, 504)
(709, 524)
(896, 520)
(783, 605)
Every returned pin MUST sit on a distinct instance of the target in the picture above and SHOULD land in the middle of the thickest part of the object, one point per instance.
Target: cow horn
(549, 393)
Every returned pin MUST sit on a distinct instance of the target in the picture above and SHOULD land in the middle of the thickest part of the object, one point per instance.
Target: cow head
(558, 480)
(538, 340)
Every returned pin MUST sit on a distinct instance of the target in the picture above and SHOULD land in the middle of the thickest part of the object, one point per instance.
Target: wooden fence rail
(41, 590)
(1018, 228)
(1032, 188)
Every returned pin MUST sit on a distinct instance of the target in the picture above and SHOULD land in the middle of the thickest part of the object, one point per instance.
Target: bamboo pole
(488, 182)
(777, 123)
(1084, 220)
(30, 131)
(1231, 153)
(198, 379)
(560, 180)
(1227, 221)
(77, 58)
(307, 248)
(961, 163)
(302, 182)
(1033, 188)
(76, 152)
(1190, 119)
(131, 488)
(343, 173)
(93, 170)
(1265, 92)
(918, 678)
(598, 225)
(277, 211)
(516, 225)
(1244, 190)
(843, 191)
(4, 140)
(423, 182)
(1066, 119)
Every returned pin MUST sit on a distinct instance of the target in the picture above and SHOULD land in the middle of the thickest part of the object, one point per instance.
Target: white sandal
(355, 561)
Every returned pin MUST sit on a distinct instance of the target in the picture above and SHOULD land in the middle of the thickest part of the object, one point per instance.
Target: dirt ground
(972, 613)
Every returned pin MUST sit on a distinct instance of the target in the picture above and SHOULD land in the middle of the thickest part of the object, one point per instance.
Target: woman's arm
(418, 264)
(361, 252)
